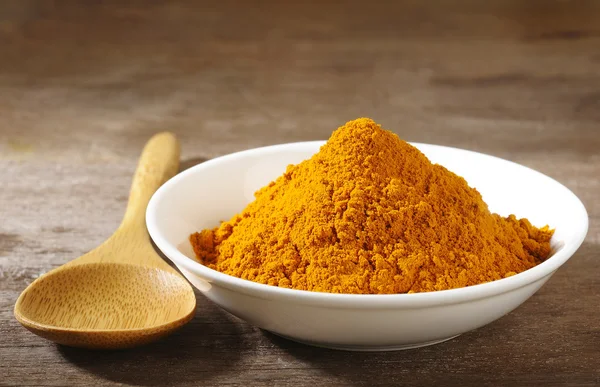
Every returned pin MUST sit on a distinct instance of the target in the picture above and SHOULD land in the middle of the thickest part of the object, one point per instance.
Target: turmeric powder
(370, 214)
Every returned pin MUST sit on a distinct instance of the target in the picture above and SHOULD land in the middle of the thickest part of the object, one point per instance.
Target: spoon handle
(158, 163)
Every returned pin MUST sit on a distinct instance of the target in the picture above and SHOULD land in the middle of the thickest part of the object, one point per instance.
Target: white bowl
(206, 194)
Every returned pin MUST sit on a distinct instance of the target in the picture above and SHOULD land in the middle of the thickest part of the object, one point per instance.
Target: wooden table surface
(83, 87)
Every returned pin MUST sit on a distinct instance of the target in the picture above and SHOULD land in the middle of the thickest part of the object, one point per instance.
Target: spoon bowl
(121, 294)
(79, 307)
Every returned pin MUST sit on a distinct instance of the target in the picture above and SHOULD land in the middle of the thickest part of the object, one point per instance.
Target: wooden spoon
(121, 294)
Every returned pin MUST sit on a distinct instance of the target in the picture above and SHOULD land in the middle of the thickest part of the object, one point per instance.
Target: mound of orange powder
(370, 214)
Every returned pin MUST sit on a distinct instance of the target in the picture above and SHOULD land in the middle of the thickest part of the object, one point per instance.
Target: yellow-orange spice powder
(370, 214)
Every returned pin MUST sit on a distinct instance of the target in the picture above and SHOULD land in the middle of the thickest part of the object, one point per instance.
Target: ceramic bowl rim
(413, 300)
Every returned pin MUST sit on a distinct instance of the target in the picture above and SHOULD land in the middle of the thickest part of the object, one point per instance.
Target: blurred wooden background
(84, 84)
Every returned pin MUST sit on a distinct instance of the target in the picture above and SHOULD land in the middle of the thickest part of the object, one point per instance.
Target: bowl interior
(214, 191)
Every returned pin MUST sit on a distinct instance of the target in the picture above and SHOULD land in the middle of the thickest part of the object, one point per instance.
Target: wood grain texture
(122, 293)
(83, 87)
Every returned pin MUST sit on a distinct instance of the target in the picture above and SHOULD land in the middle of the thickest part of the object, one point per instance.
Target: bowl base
(366, 348)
